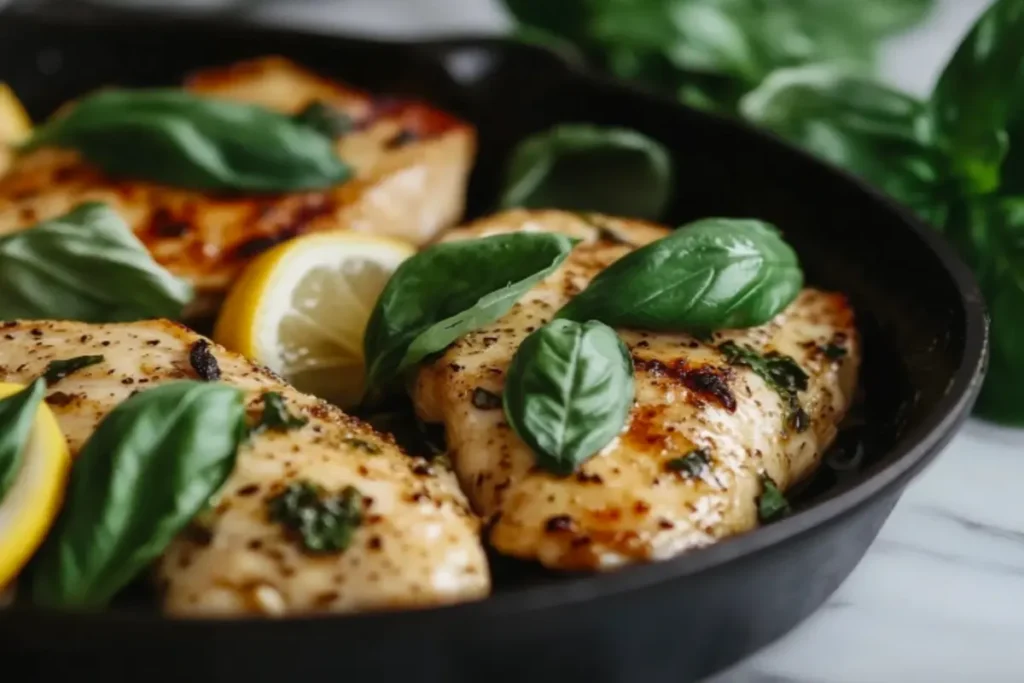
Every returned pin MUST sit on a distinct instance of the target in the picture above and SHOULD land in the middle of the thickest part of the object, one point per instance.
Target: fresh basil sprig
(184, 140)
(976, 107)
(85, 265)
(870, 129)
(451, 289)
(712, 274)
(583, 167)
(568, 392)
(17, 413)
(149, 468)
(709, 52)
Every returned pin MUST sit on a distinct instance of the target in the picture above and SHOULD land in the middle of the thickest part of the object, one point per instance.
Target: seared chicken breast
(418, 544)
(411, 164)
(630, 503)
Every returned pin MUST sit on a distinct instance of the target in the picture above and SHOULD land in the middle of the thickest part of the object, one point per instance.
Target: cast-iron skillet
(674, 621)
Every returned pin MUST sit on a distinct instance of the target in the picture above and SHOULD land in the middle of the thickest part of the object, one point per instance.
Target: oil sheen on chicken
(418, 544)
(627, 504)
(411, 163)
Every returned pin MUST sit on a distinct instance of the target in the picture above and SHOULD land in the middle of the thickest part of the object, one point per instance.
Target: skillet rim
(914, 449)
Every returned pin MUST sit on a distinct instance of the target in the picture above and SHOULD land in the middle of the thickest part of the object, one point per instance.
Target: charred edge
(706, 381)
(203, 361)
(295, 221)
(166, 225)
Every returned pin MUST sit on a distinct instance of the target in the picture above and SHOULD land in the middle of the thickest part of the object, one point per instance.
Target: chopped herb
(365, 446)
(693, 463)
(325, 119)
(323, 523)
(486, 400)
(276, 415)
(203, 361)
(771, 504)
(834, 351)
(780, 372)
(59, 369)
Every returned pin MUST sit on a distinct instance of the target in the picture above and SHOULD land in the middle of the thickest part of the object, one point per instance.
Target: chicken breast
(411, 164)
(632, 502)
(418, 544)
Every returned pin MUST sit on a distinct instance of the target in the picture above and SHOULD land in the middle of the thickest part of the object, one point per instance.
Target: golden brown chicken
(418, 544)
(411, 163)
(637, 500)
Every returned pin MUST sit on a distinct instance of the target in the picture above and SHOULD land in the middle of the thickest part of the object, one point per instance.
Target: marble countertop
(939, 598)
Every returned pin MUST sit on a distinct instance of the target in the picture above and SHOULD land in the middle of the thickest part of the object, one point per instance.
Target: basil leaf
(716, 273)
(989, 233)
(977, 101)
(568, 392)
(183, 140)
(17, 414)
(580, 167)
(869, 129)
(451, 289)
(682, 47)
(149, 468)
(85, 265)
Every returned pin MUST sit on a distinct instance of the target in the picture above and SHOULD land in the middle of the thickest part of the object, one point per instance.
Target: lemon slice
(301, 309)
(32, 503)
(15, 123)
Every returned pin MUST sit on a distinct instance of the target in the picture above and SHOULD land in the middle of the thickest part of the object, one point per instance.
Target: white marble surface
(940, 596)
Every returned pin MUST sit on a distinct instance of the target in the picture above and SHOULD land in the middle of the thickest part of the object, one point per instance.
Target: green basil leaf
(977, 100)
(17, 414)
(580, 167)
(990, 236)
(451, 289)
(716, 273)
(184, 140)
(677, 45)
(85, 265)
(149, 468)
(568, 392)
(857, 124)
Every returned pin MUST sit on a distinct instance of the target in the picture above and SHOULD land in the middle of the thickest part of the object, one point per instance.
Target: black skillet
(675, 621)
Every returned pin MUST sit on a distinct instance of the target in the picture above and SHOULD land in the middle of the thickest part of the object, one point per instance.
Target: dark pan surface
(680, 620)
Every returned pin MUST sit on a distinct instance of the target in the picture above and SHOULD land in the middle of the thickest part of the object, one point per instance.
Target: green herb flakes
(59, 369)
(321, 522)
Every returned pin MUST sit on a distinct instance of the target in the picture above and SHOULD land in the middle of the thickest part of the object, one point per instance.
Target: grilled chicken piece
(411, 164)
(626, 505)
(418, 544)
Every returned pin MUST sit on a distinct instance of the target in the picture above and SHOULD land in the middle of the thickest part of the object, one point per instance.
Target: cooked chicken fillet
(411, 164)
(418, 544)
(625, 504)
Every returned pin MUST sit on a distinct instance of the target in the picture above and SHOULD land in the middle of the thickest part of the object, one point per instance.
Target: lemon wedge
(15, 124)
(301, 309)
(32, 503)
